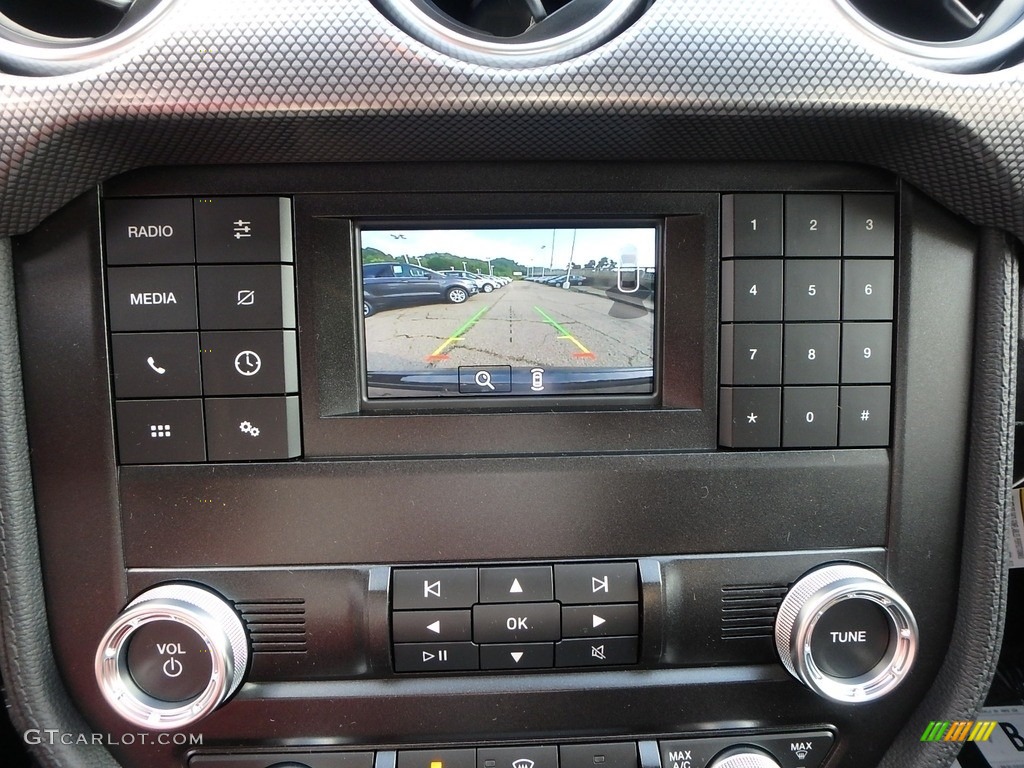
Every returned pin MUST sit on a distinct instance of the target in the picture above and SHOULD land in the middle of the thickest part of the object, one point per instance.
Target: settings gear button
(252, 428)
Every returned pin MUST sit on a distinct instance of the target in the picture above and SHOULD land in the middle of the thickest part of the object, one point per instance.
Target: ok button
(519, 623)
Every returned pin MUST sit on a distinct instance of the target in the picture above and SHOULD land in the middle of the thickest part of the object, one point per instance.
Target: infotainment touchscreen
(509, 311)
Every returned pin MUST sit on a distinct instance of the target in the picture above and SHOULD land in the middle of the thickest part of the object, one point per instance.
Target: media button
(152, 298)
(485, 379)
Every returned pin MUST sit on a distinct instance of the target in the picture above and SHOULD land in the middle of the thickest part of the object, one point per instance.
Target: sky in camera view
(528, 247)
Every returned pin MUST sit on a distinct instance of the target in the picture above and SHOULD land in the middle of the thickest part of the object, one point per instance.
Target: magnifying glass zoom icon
(483, 379)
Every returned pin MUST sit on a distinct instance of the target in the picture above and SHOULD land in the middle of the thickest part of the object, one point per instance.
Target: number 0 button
(810, 417)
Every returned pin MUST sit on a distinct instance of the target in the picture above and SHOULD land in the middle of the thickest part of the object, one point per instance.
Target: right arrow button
(600, 620)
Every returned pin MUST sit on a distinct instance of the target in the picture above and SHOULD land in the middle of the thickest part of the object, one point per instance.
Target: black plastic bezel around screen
(405, 404)
(338, 418)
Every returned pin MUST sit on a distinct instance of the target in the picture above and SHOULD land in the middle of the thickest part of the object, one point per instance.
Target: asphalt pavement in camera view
(520, 324)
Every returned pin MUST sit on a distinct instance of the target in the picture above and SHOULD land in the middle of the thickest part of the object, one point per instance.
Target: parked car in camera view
(392, 283)
(487, 283)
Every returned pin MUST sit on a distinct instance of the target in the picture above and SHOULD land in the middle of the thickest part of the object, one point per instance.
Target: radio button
(243, 229)
(810, 417)
(752, 291)
(521, 622)
(867, 353)
(600, 620)
(751, 354)
(436, 657)
(510, 757)
(750, 417)
(597, 652)
(756, 224)
(869, 225)
(864, 416)
(439, 758)
(812, 289)
(584, 583)
(433, 588)
(253, 428)
(814, 225)
(811, 354)
(868, 290)
(524, 656)
(149, 231)
(619, 755)
(524, 584)
(247, 297)
(431, 626)
(249, 362)
(152, 298)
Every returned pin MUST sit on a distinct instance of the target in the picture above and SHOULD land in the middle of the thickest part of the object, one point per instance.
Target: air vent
(748, 610)
(275, 626)
(513, 33)
(948, 35)
(61, 36)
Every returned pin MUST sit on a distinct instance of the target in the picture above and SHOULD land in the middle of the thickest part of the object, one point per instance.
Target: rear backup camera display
(509, 312)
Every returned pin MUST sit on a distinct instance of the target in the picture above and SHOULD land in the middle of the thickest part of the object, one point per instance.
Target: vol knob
(175, 654)
(846, 634)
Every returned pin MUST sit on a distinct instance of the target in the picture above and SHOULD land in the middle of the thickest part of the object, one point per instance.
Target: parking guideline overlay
(584, 352)
(438, 354)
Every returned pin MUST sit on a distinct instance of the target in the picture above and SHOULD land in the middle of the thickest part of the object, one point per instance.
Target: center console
(499, 466)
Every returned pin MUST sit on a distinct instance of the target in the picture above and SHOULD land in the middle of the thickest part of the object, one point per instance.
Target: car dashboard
(381, 388)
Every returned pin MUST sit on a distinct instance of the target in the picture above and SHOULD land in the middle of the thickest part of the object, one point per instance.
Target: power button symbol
(173, 667)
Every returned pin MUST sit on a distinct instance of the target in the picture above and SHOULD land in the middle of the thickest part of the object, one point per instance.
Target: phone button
(152, 365)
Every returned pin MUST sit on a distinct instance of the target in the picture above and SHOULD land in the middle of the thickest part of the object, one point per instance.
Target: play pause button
(522, 656)
(436, 657)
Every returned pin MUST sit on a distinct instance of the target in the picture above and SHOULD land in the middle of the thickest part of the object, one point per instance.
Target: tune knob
(846, 634)
(744, 757)
(175, 654)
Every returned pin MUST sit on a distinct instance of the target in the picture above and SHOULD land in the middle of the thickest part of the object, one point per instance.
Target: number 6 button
(867, 290)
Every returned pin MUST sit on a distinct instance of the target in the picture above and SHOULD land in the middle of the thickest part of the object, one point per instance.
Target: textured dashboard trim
(257, 81)
(970, 663)
(37, 698)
